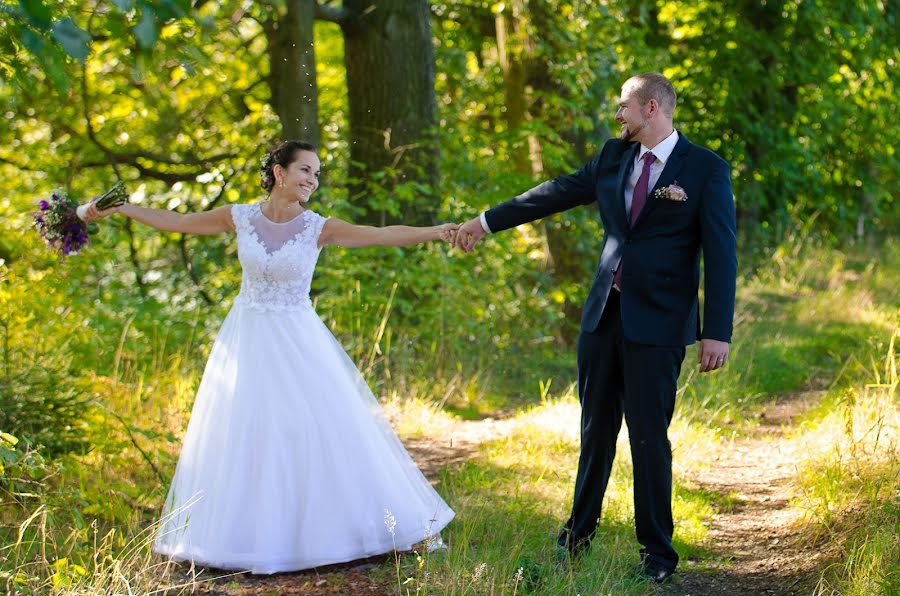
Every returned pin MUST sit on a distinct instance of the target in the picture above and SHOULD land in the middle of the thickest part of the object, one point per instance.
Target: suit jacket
(661, 252)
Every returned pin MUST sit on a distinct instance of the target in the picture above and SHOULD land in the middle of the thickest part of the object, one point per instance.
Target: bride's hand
(92, 213)
(448, 232)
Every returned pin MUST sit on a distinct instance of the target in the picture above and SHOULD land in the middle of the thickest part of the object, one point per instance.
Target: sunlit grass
(806, 312)
(88, 527)
(849, 481)
(512, 497)
(824, 325)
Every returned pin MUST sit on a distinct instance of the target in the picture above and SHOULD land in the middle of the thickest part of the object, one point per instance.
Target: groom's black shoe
(561, 557)
(566, 557)
(654, 572)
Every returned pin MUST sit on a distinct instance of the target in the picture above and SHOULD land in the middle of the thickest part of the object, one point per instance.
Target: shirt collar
(663, 149)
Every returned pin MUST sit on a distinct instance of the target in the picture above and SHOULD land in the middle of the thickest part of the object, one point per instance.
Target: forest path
(753, 547)
(754, 543)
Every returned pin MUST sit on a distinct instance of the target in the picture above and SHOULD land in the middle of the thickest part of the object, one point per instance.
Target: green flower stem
(113, 197)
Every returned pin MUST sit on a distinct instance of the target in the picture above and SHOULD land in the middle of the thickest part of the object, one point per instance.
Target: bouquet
(59, 220)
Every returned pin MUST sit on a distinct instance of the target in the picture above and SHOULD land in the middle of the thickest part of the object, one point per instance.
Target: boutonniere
(673, 192)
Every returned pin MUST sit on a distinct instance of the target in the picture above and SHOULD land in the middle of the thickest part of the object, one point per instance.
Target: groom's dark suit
(632, 343)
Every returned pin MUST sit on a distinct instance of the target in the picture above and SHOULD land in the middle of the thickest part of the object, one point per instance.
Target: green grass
(812, 319)
(849, 480)
(796, 333)
(514, 495)
(797, 325)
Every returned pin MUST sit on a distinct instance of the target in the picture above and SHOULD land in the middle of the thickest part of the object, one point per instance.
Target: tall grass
(81, 522)
(849, 482)
(810, 318)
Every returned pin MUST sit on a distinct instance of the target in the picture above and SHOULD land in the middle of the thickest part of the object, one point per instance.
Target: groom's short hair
(652, 85)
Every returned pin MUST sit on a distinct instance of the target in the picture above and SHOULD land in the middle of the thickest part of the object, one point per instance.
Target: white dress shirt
(662, 151)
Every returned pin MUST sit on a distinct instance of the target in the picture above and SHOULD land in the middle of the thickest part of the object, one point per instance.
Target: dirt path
(456, 445)
(754, 542)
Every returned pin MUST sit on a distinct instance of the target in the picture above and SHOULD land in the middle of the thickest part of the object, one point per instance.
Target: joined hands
(462, 236)
(447, 232)
(468, 235)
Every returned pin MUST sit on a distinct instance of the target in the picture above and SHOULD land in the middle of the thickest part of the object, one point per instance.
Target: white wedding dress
(288, 461)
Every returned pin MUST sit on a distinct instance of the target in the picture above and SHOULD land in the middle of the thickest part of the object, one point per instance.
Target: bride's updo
(282, 154)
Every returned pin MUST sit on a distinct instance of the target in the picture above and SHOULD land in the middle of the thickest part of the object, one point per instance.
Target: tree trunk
(511, 46)
(389, 57)
(292, 76)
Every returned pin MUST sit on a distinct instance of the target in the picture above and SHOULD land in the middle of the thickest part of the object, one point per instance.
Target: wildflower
(389, 521)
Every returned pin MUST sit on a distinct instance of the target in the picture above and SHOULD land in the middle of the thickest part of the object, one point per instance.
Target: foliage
(40, 399)
(40, 40)
(849, 479)
(100, 355)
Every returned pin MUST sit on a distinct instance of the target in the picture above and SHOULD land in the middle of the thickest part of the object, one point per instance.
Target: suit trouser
(616, 377)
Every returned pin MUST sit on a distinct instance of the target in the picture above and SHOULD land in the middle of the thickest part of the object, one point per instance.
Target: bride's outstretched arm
(349, 235)
(215, 221)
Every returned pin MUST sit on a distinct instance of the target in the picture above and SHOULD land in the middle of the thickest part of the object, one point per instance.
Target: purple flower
(59, 225)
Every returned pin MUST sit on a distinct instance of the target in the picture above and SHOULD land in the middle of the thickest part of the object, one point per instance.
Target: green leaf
(33, 42)
(37, 13)
(50, 58)
(13, 11)
(145, 31)
(124, 5)
(170, 9)
(74, 40)
(117, 25)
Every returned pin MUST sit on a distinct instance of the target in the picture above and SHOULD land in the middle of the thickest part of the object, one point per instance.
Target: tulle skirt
(288, 461)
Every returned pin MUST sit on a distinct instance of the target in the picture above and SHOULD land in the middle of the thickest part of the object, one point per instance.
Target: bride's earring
(281, 184)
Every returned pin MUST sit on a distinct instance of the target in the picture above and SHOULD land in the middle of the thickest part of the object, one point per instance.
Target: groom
(662, 200)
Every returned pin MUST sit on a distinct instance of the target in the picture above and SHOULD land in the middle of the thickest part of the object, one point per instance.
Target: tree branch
(18, 166)
(131, 158)
(185, 257)
(144, 454)
(189, 266)
(132, 254)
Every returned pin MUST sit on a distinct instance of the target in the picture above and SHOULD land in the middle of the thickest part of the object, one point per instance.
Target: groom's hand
(713, 354)
(468, 235)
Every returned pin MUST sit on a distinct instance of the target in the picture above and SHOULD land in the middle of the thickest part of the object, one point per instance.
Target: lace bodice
(277, 259)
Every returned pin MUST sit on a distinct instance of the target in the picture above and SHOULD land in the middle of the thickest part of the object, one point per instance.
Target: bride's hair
(282, 154)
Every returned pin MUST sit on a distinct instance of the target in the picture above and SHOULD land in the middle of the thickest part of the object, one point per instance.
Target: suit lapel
(667, 176)
(624, 170)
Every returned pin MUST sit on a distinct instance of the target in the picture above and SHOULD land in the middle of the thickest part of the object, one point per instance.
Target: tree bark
(292, 76)
(510, 25)
(389, 58)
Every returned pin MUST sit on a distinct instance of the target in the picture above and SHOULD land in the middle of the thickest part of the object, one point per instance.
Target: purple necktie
(638, 199)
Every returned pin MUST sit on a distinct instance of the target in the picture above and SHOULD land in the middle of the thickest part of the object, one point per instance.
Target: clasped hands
(465, 236)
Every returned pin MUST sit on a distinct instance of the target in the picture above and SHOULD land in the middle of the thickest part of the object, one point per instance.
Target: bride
(288, 461)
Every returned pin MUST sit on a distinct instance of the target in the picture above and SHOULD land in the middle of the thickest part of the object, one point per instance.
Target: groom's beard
(628, 133)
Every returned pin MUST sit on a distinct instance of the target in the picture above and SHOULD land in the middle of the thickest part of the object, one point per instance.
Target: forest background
(424, 112)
